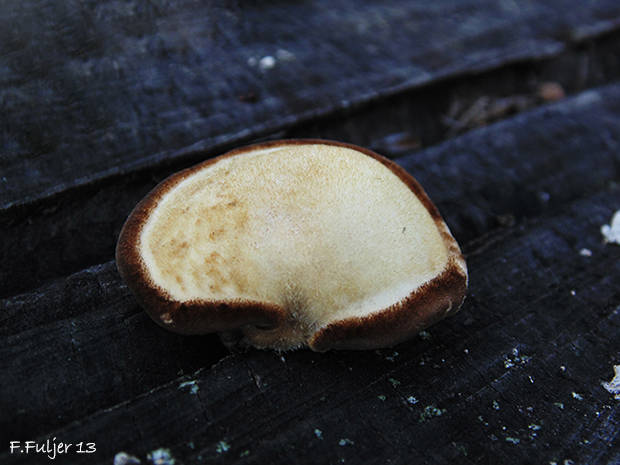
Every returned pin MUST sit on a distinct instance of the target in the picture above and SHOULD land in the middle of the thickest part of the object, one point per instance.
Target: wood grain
(92, 90)
(99, 101)
(493, 371)
(569, 148)
(83, 357)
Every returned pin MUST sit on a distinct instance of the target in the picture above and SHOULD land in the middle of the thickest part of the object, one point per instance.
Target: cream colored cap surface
(323, 231)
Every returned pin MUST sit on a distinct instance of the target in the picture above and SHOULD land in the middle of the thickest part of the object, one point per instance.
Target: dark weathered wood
(488, 178)
(516, 374)
(571, 148)
(525, 165)
(94, 89)
(99, 349)
(82, 343)
(101, 100)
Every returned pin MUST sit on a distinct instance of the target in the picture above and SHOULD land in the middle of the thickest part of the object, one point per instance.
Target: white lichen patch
(577, 396)
(515, 359)
(425, 335)
(533, 427)
(613, 386)
(222, 447)
(345, 442)
(431, 411)
(585, 252)
(191, 385)
(318, 433)
(284, 55)
(611, 232)
(412, 400)
(123, 458)
(266, 62)
(161, 457)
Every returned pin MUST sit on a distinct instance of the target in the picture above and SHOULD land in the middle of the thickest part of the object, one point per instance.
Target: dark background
(100, 100)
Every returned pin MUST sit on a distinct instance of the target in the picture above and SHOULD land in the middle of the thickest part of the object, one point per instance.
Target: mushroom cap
(293, 243)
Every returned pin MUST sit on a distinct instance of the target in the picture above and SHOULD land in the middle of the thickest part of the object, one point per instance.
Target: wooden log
(524, 166)
(79, 352)
(79, 343)
(515, 375)
(100, 100)
(92, 90)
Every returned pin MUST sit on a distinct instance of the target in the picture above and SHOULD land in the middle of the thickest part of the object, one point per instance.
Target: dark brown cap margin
(424, 307)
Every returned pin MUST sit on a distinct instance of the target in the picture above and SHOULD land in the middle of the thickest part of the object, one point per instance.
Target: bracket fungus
(287, 244)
